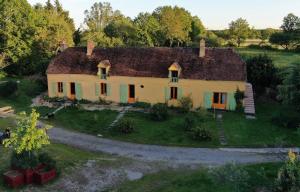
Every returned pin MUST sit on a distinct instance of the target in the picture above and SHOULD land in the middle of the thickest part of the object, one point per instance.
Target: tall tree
(99, 16)
(175, 23)
(16, 31)
(149, 28)
(291, 23)
(289, 91)
(239, 30)
(198, 29)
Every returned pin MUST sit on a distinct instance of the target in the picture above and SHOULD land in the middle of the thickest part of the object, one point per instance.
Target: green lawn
(66, 157)
(260, 132)
(5, 123)
(280, 58)
(239, 131)
(169, 132)
(91, 122)
(21, 100)
(202, 180)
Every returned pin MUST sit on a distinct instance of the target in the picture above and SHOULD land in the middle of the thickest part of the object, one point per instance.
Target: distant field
(280, 58)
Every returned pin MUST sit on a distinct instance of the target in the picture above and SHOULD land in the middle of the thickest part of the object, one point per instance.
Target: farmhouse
(210, 76)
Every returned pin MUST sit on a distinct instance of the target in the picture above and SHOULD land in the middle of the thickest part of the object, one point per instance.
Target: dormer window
(103, 73)
(174, 72)
(103, 69)
(174, 76)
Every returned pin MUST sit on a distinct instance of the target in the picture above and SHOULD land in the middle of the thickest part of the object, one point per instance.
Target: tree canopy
(239, 30)
(30, 35)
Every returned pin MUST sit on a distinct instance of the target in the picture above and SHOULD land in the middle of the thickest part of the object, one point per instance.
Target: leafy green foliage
(289, 175)
(186, 104)
(159, 112)
(289, 91)
(29, 36)
(239, 30)
(24, 160)
(261, 72)
(143, 105)
(190, 122)
(287, 120)
(233, 174)
(7, 89)
(201, 134)
(239, 96)
(27, 137)
(125, 126)
(45, 159)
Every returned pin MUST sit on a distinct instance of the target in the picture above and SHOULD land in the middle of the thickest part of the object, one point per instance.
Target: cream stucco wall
(153, 91)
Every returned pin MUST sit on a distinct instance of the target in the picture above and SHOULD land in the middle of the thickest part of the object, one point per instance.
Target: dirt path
(171, 155)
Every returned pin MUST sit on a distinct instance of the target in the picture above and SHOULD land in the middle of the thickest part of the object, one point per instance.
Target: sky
(215, 14)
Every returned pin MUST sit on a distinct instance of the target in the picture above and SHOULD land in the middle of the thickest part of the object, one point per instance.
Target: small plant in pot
(25, 141)
(47, 169)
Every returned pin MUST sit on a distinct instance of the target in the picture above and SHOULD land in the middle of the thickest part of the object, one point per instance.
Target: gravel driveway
(171, 155)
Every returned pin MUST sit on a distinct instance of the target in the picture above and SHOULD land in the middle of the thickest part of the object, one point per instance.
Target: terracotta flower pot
(13, 178)
(41, 176)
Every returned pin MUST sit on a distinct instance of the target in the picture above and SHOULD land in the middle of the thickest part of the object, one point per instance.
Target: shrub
(186, 104)
(8, 88)
(201, 134)
(232, 174)
(125, 126)
(189, 122)
(159, 112)
(286, 119)
(239, 96)
(288, 178)
(47, 160)
(143, 105)
(24, 160)
(2, 74)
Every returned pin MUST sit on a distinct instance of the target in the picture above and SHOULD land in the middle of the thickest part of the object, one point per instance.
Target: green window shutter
(97, 89)
(108, 89)
(170, 74)
(179, 93)
(231, 102)
(123, 93)
(208, 100)
(53, 89)
(78, 91)
(65, 89)
(167, 93)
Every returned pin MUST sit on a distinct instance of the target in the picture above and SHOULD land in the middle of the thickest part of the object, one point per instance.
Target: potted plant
(25, 141)
(47, 171)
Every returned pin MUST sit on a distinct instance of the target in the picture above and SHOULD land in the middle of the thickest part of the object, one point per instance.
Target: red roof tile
(218, 64)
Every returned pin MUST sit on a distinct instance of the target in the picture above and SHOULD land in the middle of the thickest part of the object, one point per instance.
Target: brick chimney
(89, 48)
(202, 48)
(63, 45)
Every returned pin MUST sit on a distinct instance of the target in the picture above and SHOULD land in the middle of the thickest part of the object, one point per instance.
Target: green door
(123, 93)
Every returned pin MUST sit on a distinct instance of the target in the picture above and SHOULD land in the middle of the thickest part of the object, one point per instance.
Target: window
(103, 89)
(173, 92)
(174, 76)
(103, 73)
(73, 91)
(60, 87)
(219, 98)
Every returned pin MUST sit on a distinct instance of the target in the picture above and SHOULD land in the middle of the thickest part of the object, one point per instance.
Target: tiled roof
(218, 64)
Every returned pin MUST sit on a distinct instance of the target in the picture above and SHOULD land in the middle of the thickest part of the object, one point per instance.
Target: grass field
(260, 132)
(239, 131)
(91, 122)
(280, 58)
(260, 176)
(168, 132)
